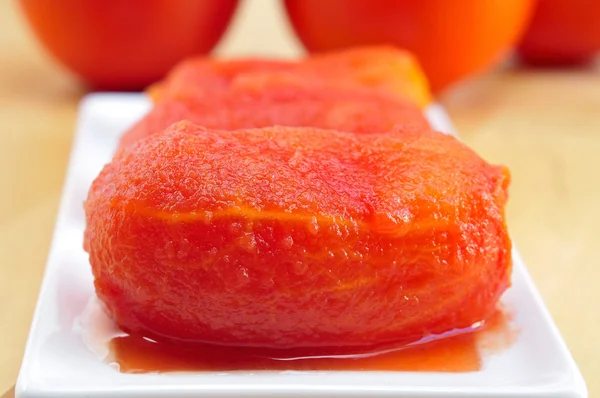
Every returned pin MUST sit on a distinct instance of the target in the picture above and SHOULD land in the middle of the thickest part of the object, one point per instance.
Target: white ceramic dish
(57, 363)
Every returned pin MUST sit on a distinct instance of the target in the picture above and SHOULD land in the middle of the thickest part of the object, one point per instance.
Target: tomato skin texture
(124, 45)
(383, 68)
(255, 104)
(562, 32)
(450, 41)
(287, 237)
(362, 90)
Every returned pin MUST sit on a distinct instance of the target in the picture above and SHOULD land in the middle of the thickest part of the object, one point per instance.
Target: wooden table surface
(545, 125)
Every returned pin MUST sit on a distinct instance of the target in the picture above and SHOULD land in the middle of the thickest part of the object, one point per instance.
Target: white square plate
(57, 363)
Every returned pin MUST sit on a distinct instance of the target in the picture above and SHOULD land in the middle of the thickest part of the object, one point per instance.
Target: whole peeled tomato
(562, 32)
(117, 44)
(452, 39)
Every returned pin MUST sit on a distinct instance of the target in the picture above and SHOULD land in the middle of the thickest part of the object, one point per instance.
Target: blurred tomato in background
(452, 39)
(127, 44)
(562, 32)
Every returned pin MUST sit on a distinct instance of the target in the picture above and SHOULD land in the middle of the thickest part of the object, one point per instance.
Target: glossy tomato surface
(562, 32)
(451, 39)
(116, 44)
(286, 237)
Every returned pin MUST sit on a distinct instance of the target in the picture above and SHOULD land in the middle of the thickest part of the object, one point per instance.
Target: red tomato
(562, 32)
(452, 39)
(127, 44)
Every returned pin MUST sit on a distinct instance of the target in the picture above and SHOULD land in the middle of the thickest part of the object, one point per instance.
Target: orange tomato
(452, 39)
(116, 44)
(562, 32)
